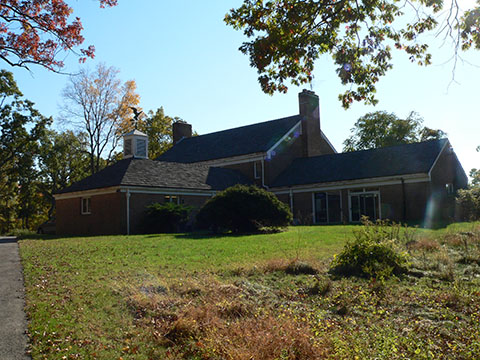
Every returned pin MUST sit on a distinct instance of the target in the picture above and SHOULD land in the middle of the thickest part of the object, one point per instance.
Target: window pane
(355, 208)
(334, 207)
(320, 208)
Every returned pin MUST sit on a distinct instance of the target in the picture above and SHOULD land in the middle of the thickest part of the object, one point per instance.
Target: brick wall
(139, 202)
(107, 216)
(109, 213)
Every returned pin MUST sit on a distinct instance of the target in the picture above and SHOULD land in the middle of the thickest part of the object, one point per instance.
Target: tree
(36, 31)
(475, 174)
(21, 129)
(380, 129)
(96, 103)
(289, 35)
(63, 159)
(157, 126)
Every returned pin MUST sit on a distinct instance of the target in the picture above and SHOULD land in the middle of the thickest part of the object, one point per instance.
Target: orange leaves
(32, 31)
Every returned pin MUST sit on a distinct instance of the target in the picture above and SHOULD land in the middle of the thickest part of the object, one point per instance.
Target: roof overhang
(135, 190)
(86, 193)
(166, 191)
(351, 184)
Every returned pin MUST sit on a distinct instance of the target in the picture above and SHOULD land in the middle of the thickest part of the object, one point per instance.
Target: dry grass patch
(211, 320)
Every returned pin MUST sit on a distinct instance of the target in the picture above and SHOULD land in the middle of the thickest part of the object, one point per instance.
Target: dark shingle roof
(150, 173)
(389, 161)
(233, 142)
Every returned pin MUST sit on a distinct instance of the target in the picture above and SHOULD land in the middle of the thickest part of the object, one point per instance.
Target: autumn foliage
(36, 31)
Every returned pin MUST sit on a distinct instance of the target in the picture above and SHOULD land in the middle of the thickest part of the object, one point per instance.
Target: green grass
(188, 296)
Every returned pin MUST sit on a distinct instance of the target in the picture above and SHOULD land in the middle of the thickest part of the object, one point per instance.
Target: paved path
(13, 322)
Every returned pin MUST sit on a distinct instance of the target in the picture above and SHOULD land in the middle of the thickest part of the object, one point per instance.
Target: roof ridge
(243, 126)
(380, 148)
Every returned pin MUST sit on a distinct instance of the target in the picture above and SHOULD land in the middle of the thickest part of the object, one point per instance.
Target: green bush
(468, 203)
(166, 218)
(243, 209)
(373, 253)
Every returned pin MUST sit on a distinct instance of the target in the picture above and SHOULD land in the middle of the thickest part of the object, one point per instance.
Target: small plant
(372, 254)
(243, 209)
(166, 218)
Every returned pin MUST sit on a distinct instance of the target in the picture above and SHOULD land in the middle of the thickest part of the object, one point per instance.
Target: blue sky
(184, 58)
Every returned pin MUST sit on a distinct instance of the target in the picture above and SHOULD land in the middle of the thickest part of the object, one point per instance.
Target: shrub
(372, 254)
(166, 217)
(243, 209)
(468, 202)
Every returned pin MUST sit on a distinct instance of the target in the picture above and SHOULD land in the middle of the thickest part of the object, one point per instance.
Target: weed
(374, 253)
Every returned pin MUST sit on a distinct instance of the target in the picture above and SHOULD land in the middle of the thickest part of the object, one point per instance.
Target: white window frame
(363, 191)
(87, 209)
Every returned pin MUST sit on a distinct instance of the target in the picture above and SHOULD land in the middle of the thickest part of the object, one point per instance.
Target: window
(327, 208)
(449, 188)
(171, 198)
(86, 206)
(257, 169)
(364, 203)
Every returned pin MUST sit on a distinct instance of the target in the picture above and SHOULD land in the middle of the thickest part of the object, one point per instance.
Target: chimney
(309, 106)
(135, 144)
(181, 130)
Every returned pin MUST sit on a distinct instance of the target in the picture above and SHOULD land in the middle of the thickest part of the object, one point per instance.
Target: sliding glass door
(328, 208)
(364, 204)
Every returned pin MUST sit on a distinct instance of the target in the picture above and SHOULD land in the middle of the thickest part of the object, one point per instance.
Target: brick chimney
(309, 106)
(181, 130)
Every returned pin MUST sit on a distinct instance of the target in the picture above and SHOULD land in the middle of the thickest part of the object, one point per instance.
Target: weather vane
(135, 116)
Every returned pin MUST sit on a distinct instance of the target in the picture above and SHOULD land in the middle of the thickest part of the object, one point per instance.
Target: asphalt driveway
(13, 322)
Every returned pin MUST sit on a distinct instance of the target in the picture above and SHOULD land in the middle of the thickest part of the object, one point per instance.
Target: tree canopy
(37, 31)
(22, 127)
(287, 36)
(380, 129)
(97, 103)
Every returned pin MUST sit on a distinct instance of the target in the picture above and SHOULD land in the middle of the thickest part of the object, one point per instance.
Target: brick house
(290, 157)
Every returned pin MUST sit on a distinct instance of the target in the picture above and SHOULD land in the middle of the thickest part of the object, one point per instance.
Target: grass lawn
(232, 297)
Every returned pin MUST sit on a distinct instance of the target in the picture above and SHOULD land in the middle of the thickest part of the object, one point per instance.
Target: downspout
(404, 201)
(128, 211)
(291, 200)
(263, 174)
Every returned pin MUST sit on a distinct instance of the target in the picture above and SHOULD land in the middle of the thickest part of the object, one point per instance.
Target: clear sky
(184, 58)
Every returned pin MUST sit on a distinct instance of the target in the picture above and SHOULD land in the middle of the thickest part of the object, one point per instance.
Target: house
(290, 157)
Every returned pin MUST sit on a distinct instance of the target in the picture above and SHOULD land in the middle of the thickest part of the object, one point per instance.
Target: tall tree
(36, 31)
(21, 129)
(158, 127)
(287, 36)
(380, 129)
(95, 103)
(63, 159)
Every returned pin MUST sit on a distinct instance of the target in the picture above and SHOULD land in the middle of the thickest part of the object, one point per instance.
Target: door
(364, 204)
